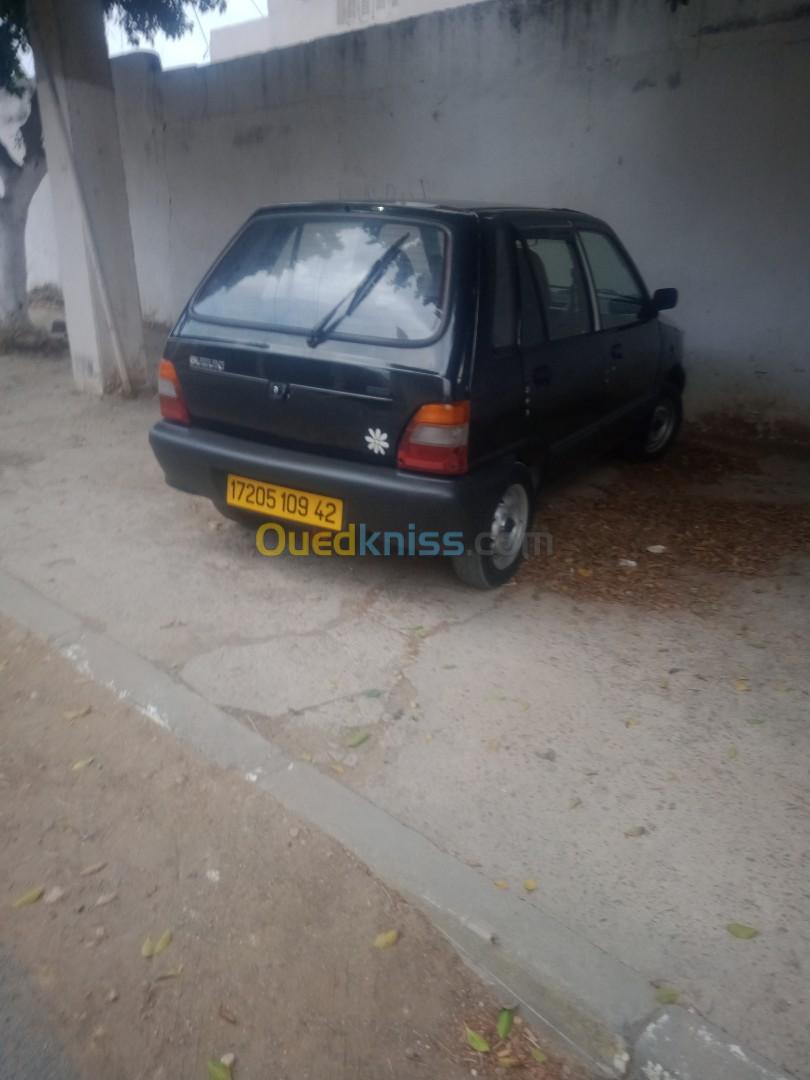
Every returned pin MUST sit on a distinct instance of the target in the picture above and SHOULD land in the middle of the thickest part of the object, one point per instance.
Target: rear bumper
(198, 461)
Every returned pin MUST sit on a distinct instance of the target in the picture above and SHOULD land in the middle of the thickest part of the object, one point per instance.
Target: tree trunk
(13, 266)
(20, 182)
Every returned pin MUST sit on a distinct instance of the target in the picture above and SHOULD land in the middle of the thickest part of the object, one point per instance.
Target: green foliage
(140, 20)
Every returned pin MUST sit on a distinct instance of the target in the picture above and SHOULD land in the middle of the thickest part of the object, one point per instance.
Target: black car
(414, 369)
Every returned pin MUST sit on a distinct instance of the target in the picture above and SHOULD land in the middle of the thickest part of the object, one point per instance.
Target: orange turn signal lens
(170, 393)
(436, 439)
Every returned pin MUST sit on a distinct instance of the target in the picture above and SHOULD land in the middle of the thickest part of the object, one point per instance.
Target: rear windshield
(289, 272)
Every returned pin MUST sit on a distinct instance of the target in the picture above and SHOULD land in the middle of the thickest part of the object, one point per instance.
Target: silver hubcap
(662, 425)
(509, 526)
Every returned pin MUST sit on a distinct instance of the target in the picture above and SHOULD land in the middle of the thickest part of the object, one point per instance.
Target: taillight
(172, 402)
(436, 439)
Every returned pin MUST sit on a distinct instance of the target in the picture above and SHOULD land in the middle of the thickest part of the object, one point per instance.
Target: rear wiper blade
(331, 320)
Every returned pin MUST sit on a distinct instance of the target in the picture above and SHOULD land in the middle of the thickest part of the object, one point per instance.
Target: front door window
(618, 291)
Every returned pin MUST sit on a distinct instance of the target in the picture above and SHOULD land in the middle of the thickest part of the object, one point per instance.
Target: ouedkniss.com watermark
(274, 539)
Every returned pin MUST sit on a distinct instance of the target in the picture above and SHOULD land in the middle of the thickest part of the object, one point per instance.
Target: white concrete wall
(687, 131)
(40, 239)
(290, 22)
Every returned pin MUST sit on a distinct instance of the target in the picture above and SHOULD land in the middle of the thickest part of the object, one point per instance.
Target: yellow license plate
(273, 500)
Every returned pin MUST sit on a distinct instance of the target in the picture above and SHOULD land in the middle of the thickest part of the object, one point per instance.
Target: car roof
(443, 207)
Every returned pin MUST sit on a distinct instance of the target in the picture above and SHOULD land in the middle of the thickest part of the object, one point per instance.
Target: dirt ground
(677, 533)
(272, 954)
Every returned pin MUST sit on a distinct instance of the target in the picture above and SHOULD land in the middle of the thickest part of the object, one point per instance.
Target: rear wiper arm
(331, 320)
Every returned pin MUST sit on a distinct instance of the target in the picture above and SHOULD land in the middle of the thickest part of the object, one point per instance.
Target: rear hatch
(278, 344)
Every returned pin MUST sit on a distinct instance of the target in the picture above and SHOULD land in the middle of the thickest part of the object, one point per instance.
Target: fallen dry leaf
(740, 930)
(106, 898)
(504, 1025)
(53, 895)
(667, 995)
(476, 1041)
(357, 738)
(226, 1014)
(29, 897)
(501, 884)
(162, 943)
(82, 763)
(530, 885)
(92, 869)
(218, 1071)
(636, 830)
(77, 714)
(172, 973)
(539, 1055)
(386, 939)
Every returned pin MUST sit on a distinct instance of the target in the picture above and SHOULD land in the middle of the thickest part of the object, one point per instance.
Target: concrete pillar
(91, 209)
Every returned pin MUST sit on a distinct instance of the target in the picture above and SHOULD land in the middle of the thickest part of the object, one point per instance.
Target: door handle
(542, 375)
(616, 352)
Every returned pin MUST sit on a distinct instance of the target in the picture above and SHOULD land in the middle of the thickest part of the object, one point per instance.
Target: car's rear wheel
(660, 428)
(495, 557)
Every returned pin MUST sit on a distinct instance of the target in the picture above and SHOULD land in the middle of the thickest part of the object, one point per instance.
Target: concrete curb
(586, 999)
(678, 1045)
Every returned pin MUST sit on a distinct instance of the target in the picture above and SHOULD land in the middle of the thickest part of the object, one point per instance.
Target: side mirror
(664, 299)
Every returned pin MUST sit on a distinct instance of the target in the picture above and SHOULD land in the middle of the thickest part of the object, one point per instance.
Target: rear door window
(557, 272)
(619, 292)
(288, 272)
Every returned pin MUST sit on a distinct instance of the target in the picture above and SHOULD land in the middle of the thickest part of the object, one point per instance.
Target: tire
(511, 520)
(660, 428)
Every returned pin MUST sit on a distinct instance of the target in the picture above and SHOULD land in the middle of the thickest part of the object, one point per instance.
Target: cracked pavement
(605, 751)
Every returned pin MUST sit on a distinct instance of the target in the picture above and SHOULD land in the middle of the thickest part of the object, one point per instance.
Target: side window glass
(557, 272)
(532, 331)
(504, 293)
(618, 291)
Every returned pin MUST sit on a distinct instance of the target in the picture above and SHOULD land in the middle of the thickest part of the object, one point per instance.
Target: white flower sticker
(376, 440)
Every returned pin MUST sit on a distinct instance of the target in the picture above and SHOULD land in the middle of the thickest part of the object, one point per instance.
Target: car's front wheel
(496, 555)
(660, 428)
